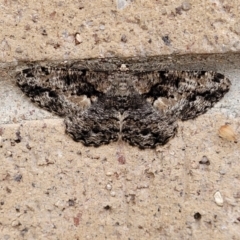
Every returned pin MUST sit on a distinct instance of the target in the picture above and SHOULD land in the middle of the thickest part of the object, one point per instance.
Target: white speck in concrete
(109, 173)
(218, 199)
(112, 193)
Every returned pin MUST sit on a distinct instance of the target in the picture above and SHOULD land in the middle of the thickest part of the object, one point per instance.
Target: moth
(139, 107)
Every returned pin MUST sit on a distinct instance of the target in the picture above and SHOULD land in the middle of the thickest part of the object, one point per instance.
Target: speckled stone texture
(37, 30)
(54, 188)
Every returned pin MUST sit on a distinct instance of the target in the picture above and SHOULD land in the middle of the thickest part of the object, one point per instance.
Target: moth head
(123, 68)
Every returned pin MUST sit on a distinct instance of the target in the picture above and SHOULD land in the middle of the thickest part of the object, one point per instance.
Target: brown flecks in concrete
(77, 219)
(121, 159)
(52, 15)
(27, 27)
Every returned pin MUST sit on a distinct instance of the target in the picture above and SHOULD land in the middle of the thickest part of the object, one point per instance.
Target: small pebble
(124, 38)
(15, 223)
(227, 132)
(222, 172)
(60, 204)
(102, 27)
(109, 186)
(166, 40)
(205, 161)
(109, 173)
(218, 199)
(112, 193)
(28, 146)
(9, 154)
(78, 39)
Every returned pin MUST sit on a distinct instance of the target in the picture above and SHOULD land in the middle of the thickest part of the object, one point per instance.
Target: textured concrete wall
(54, 188)
(46, 30)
